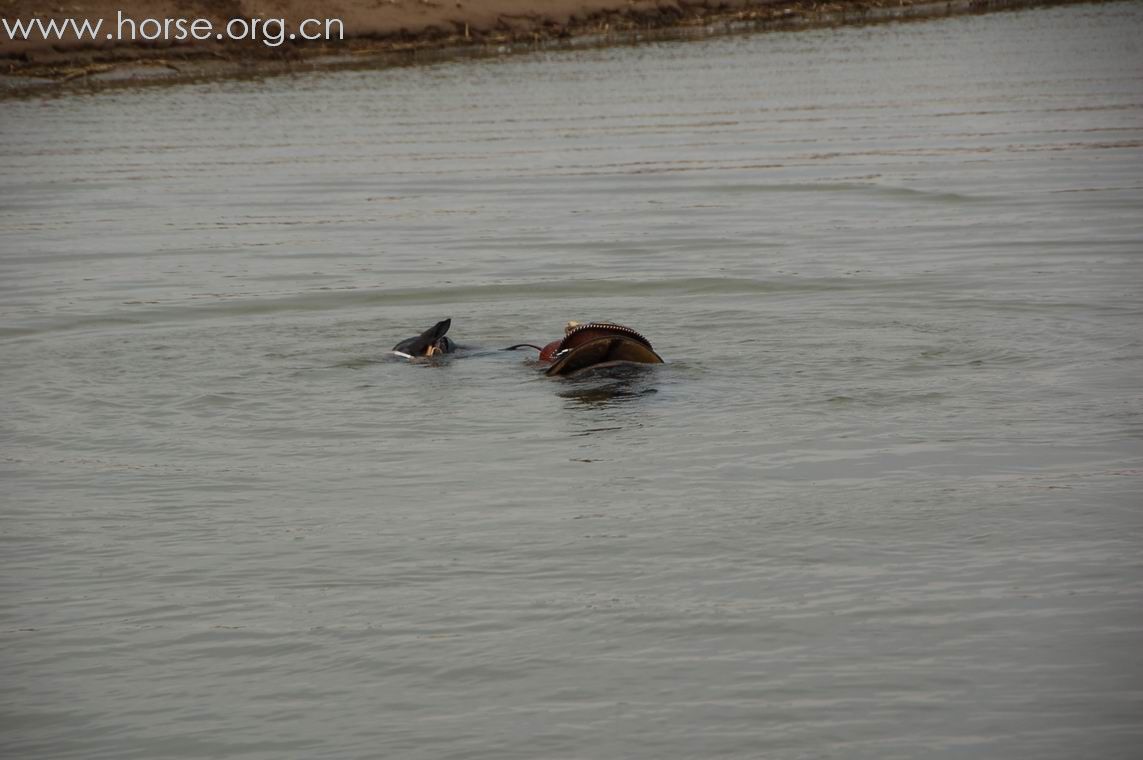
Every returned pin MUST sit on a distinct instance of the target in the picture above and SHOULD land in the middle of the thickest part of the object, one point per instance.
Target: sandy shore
(379, 32)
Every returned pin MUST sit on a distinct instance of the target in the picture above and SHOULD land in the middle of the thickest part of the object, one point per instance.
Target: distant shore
(400, 32)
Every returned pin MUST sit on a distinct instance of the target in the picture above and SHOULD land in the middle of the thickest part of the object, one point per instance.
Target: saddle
(596, 345)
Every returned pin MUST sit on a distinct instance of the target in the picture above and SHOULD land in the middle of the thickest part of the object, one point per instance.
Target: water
(882, 502)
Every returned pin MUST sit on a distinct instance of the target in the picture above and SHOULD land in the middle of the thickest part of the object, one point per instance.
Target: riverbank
(401, 32)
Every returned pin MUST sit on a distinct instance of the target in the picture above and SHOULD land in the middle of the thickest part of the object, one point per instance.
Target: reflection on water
(881, 502)
(605, 387)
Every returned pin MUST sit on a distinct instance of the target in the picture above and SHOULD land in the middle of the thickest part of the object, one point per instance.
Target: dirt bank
(375, 32)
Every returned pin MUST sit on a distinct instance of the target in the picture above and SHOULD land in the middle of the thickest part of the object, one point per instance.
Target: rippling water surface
(883, 501)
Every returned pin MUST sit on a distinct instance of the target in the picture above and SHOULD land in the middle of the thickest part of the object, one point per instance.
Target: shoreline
(66, 68)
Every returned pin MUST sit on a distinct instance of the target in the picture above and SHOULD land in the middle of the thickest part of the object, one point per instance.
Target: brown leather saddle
(597, 345)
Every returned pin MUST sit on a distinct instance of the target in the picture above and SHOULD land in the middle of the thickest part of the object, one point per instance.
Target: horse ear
(438, 330)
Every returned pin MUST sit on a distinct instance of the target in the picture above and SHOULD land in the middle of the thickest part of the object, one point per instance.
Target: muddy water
(883, 501)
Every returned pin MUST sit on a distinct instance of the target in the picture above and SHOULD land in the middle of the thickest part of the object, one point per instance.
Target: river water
(883, 501)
